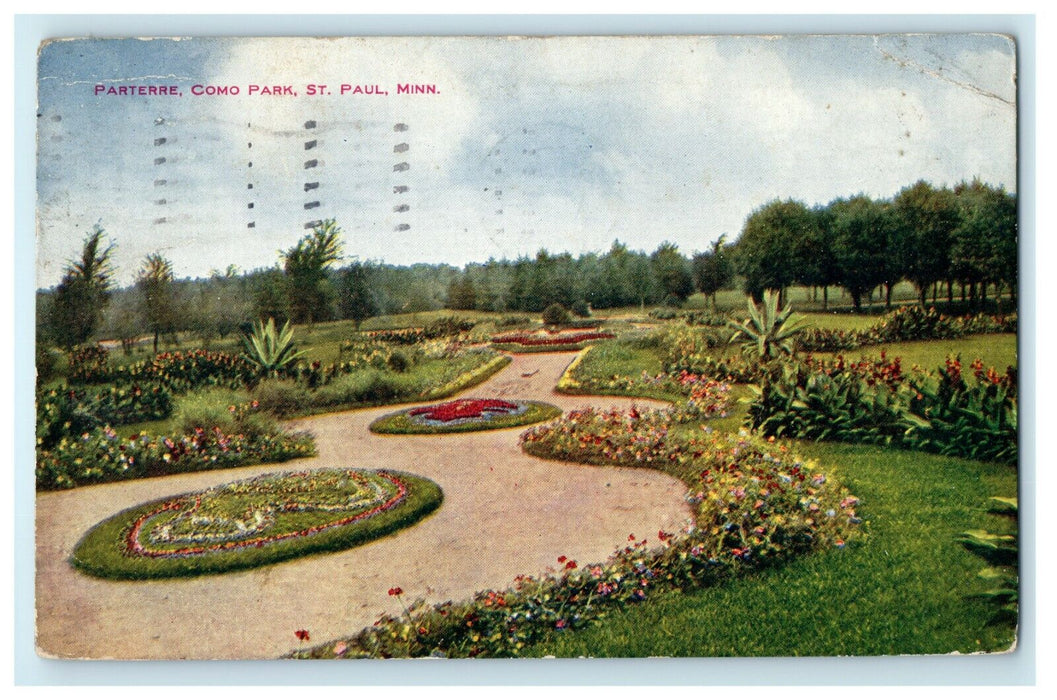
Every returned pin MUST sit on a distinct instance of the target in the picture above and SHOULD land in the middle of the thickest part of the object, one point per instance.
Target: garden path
(504, 513)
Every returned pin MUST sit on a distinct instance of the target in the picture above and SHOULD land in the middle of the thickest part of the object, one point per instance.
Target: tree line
(929, 236)
(932, 237)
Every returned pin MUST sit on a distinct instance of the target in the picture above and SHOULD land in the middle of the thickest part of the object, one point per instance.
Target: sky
(562, 143)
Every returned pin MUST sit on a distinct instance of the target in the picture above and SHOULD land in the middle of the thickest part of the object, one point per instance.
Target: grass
(900, 591)
(102, 551)
(400, 423)
(998, 350)
(903, 590)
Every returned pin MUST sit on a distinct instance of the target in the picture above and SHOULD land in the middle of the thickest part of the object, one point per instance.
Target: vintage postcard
(687, 346)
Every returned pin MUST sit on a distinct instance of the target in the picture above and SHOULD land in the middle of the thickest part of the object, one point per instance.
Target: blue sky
(563, 143)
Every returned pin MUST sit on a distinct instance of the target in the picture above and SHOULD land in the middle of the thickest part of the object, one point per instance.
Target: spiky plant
(769, 331)
(270, 350)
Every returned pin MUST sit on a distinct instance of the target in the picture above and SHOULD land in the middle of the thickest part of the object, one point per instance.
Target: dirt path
(504, 513)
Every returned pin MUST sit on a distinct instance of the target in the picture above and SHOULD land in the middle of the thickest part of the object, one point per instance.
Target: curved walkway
(504, 513)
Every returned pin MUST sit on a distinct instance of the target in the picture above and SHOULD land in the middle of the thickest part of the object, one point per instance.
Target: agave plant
(270, 350)
(769, 330)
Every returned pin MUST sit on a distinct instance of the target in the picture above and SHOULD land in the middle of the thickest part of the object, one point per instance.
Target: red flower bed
(463, 408)
(536, 340)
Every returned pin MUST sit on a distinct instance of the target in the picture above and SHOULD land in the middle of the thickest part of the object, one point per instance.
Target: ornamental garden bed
(464, 415)
(547, 341)
(254, 522)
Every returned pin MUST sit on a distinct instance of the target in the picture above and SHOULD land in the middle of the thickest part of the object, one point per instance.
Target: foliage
(877, 404)
(368, 386)
(308, 292)
(99, 455)
(177, 372)
(73, 411)
(83, 292)
(756, 506)
(268, 350)
(556, 315)
(1001, 551)
(765, 250)
(713, 270)
(907, 323)
(770, 330)
(282, 516)
(672, 272)
(863, 237)
(356, 300)
(546, 342)
(457, 416)
(926, 218)
(155, 283)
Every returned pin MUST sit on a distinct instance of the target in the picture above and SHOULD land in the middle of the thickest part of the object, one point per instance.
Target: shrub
(398, 362)
(46, 363)
(100, 456)
(72, 411)
(284, 399)
(89, 364)
(447, 326)
(581, 309)
(908, 323)
(176, 371)
(555, 315)
(875, 403)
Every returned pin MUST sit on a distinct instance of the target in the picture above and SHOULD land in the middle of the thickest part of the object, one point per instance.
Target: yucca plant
(770, 330)
(270, 350)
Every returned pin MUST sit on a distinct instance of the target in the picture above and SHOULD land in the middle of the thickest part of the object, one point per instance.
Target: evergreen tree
(81, 296)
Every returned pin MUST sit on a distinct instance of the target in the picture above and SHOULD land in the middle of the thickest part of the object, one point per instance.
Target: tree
(80, 297)
(984, 247)
(765, 249)
(155, 283)
(672, 271)
(309, 295)
(462, 295)
(713, 270)
(861, 231)
(355, 299)
(927, 218)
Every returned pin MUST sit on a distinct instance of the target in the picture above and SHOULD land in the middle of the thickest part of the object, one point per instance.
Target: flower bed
(546, 341)
(756, 505)
(254, 522)
(99, 455)
(876, 403)
(464, 415)
(906, 323)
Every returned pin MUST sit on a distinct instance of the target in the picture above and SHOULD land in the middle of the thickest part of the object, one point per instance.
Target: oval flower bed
(254, 522)
(464, 415)
(546, 342)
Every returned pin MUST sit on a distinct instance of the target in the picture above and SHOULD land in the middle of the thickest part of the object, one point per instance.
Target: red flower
(302, 635)
(562, 558)
(571, 564)
(397, 590)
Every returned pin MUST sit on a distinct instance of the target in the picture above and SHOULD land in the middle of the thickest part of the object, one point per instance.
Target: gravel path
(504, 513)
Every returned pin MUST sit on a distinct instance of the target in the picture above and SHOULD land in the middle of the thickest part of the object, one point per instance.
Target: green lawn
(899, 591)
(997, 350)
